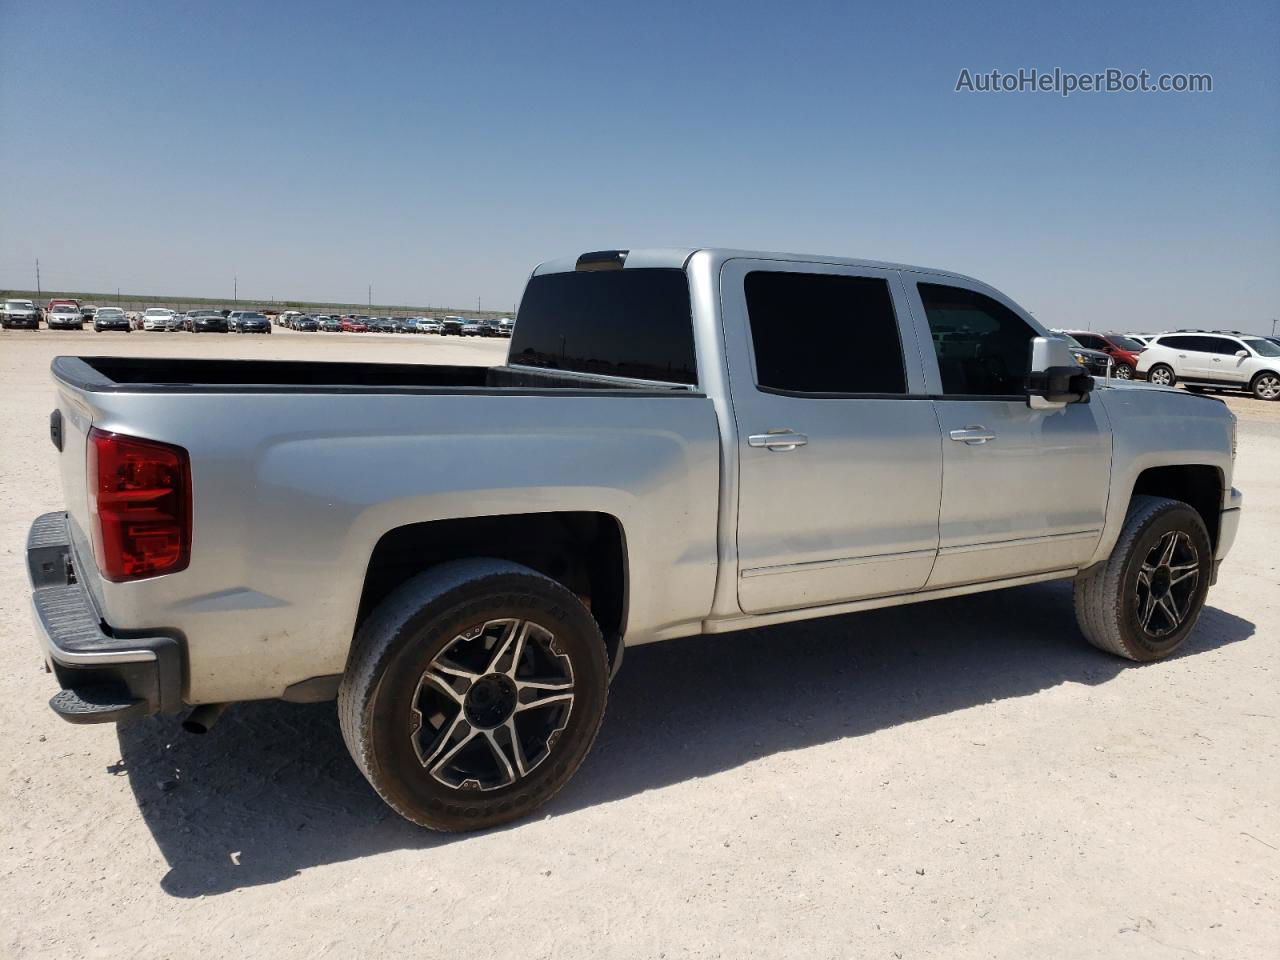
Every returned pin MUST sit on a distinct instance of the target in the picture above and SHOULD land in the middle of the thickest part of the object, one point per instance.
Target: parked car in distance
(64, 316)
(205, 321)
(1124, 351)
(250, 321)
(472, 328)
(62, 302)
(329, 324)
(287, 318)
(461, 566)
(353, 325)
(110, 318)
(304, 323)
(451, 326)
(427, 325)
(1213, 360)
(1095, 361)
(88, 311)
(503, 326)
(1142, 338)
(157, 319)
(19, 315)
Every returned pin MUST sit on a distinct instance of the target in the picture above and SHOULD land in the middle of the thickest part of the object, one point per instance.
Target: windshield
(20, 304)
(110, 312)
(1126, 343)
(252, 316)
(1071, 340)
(1264, 348)
(157, 312)
(63, 308)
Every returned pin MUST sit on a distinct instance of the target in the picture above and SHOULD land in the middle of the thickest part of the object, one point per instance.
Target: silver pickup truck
(681, 442)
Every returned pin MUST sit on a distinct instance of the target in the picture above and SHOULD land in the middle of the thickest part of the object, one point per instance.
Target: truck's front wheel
(1143, 600)
(473, 693)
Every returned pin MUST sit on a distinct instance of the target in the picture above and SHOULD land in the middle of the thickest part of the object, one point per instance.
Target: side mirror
(1242, 354)
(1054, 378)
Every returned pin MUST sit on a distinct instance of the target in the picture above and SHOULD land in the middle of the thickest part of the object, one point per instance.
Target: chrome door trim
(834, 562)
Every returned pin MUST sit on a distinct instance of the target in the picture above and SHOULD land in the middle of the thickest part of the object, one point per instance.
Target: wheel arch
(584, 551)
(1198, 485)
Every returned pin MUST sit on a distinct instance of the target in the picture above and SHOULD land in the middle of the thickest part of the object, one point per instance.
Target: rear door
(839, 455)
(1024, 491)
(1221, 362)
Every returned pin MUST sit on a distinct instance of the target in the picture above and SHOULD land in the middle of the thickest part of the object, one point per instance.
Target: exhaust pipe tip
(202, 718)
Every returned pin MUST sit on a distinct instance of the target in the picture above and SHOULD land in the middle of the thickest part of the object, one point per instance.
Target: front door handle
(973, 435)
(777, 442)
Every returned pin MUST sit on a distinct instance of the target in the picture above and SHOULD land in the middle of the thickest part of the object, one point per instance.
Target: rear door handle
(973, 435)
(777, 442)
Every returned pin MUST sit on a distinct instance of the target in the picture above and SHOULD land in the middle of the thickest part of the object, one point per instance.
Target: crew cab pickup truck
(459, 555)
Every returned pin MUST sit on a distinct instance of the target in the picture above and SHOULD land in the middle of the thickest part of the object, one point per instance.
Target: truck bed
(185, 375)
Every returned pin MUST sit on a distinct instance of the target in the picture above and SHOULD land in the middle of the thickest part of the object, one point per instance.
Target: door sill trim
(730, 624)
(1019, 542)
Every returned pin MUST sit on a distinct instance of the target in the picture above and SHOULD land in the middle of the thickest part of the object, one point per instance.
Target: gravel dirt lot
(964, 778)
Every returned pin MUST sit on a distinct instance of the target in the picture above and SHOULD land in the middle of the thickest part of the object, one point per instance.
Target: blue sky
(440, 151)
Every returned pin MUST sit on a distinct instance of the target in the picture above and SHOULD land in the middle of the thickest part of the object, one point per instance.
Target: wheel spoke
(1193, 572)
(500, 755)
(1170, 610)
(522, 765)
(1167, 547)
(545, 701)
(443, 678)
(511, 642)
(1148, 609)
(443, 741)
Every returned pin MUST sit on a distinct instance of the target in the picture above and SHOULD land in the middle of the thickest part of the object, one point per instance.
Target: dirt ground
(964, 778)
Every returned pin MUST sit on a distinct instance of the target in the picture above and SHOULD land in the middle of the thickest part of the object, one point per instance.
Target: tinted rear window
(856, 349)
(626, 323)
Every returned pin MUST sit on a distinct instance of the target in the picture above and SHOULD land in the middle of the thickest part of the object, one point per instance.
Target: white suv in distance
(1219, 360)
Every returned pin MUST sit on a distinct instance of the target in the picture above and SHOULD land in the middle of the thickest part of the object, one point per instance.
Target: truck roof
(677, 257)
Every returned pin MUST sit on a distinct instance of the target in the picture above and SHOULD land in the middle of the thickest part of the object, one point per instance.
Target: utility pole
(39, 296)
(371, 298)
(477, 304)
(235, 289)
(1273, 325)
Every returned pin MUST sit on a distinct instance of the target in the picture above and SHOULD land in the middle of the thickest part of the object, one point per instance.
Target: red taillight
(140, 498)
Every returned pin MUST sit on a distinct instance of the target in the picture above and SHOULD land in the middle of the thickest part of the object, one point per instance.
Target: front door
(1024, 491)
(839, 455)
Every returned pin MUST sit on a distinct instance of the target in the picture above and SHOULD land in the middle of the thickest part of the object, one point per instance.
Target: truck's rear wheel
(1143, 601)
(473, 693)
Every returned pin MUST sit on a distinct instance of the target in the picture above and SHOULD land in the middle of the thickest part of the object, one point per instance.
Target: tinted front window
(1091, 341)
(627, 323)
(1264, 348)
(857, 349)
(1218, 345)
(983, 347)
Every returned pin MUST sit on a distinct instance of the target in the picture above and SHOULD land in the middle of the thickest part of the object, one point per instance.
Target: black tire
(1110, 600)
(1164, 371)
(1122, 371)
(1266, 386)
(388, 720)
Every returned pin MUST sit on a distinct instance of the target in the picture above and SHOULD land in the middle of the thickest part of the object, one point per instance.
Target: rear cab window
(635, 323)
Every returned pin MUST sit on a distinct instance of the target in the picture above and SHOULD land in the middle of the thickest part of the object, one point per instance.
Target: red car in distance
(353, 325)
(1123, 350)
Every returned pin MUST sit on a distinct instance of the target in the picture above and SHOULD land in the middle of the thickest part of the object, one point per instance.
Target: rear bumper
(105, 676)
